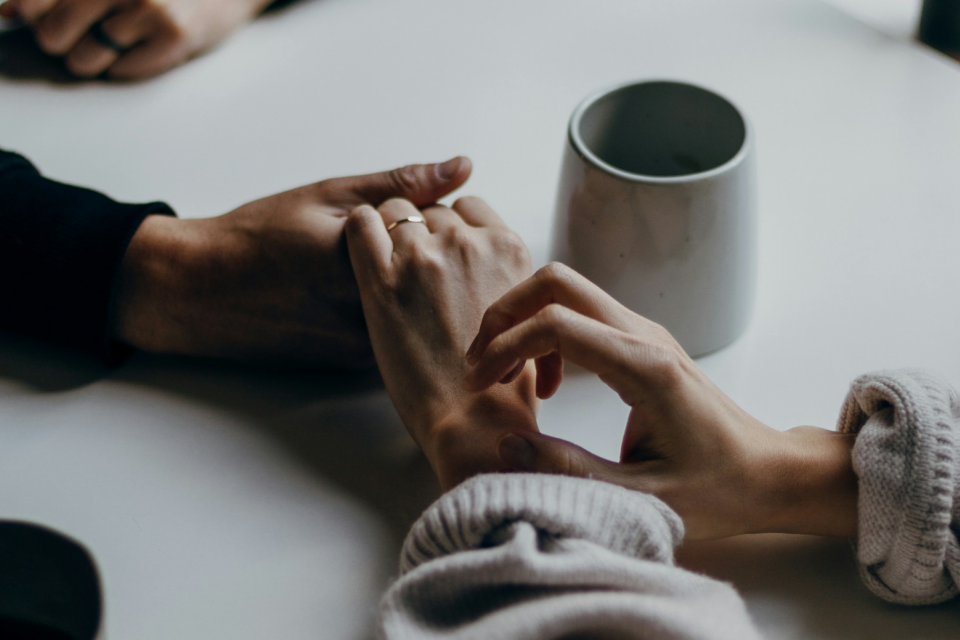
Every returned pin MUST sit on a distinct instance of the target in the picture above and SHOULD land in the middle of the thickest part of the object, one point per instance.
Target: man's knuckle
(404, 179)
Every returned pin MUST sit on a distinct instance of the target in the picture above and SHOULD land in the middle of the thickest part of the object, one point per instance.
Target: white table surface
(224, 503)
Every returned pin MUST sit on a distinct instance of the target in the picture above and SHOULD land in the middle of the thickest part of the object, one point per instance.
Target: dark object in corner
(940, 26)
(49, 587)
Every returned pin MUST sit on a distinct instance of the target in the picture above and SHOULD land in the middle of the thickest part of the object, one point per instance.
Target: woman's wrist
(808, 485)
(464, 442)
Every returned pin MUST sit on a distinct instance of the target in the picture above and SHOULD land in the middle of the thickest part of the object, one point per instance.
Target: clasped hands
(468, 341)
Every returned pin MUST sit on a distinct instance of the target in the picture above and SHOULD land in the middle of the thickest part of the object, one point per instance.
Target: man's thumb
(421, 184)
(543, 454)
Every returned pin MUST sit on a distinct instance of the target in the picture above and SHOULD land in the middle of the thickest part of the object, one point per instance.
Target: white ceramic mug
(657, 205)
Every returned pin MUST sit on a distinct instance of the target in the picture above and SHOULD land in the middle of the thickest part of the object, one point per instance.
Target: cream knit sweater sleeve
(541, 557)
(907, 457)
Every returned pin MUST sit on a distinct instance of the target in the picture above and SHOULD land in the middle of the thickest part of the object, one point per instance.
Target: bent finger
(90, 58)
(151, 56)
(552, 284)
(64, 25)
(9, 10)
(31, 11)
(625, 362)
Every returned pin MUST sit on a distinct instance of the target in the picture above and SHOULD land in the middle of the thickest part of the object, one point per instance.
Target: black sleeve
(60, 252)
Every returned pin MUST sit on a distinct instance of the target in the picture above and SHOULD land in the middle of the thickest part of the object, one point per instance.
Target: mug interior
(662, 129)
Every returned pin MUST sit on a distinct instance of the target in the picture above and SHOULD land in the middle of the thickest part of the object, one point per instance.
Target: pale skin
(424, 290)
(155, 35)
(270, 282)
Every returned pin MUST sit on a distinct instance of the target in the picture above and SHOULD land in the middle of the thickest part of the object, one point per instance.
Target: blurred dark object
(940, 26)
(22, 59)
(49, 587)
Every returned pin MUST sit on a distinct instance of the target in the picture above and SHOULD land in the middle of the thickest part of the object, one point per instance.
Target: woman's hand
(130, 38)
(686, 442)
(424, 288)
(269, 282)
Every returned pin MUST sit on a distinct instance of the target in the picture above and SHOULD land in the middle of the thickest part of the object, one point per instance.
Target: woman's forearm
(809, 485)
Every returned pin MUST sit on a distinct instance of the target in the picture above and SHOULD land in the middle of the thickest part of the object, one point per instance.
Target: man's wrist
(152, 276)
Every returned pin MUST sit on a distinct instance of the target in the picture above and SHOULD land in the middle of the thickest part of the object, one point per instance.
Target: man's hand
(130, 38)
(686, 442)
(424, 288)
(269, 282)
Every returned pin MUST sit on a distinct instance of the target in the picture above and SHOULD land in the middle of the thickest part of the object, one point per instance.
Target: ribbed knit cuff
(624, 521)
(61, 248)
(906, 457)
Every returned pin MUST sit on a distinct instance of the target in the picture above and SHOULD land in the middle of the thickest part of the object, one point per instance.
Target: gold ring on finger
(396, 223)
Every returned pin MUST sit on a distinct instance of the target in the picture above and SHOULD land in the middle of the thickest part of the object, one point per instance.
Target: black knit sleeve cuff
(61, 248)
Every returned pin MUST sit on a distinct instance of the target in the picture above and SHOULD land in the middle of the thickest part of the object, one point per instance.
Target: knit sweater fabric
(538, 557)
(524, 557)
(907, 457)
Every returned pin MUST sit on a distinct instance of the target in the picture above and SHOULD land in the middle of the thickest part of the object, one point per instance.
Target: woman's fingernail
(517, 453)
(448, 169)
(473, 347)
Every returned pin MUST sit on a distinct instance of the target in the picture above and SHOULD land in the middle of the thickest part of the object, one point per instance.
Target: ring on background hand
(101, 36)
(393, 225)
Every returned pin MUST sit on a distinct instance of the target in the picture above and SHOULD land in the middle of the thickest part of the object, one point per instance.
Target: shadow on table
(46, 367)
(22, 59)
(340, 426)
(805, 586)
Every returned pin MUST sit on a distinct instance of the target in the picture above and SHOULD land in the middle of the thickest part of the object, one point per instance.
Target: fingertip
(451, 175)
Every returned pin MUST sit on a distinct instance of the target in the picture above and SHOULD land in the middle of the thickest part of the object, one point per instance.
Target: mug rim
(580, 147)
